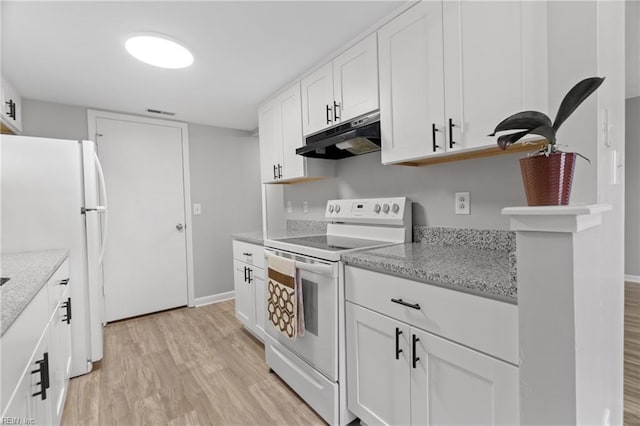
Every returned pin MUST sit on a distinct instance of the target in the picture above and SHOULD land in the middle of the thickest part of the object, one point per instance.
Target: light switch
(197, 209)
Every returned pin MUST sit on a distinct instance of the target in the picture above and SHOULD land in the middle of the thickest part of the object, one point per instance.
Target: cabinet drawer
(249, 253)
(19, 342)
(484, 324)
(57, 286)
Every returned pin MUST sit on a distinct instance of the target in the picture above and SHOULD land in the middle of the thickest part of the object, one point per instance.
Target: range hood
(358, 136)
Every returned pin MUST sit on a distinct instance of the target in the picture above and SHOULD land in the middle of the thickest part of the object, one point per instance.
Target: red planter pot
(547, 180)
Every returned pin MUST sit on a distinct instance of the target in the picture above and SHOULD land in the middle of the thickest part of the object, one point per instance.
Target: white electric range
(314, 365)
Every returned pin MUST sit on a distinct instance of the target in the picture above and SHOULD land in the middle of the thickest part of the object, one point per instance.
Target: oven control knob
(337, 208)
(376, 208)
(395, 208)
(330, 208)
(385, 208)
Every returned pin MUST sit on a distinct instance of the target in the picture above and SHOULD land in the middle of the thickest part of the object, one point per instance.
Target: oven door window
(310, 303)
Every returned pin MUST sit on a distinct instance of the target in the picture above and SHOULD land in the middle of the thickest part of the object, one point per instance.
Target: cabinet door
(243, 294)
(41, 406)
(355, 80)
(60, 355)
(378, 384)
(270, 143)
(452, 384)
(412, 84)
(260, 298)
(493, 66)
(291, 125)
(317, 100)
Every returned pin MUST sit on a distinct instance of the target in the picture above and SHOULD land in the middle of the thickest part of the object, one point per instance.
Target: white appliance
(53, 196)
(314, 365)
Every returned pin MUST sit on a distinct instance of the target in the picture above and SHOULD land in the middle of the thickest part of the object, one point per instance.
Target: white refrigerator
(53, 196)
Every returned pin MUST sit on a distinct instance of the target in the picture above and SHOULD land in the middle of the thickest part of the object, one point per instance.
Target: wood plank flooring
(632, 355)
(183, 367)
(198, 366)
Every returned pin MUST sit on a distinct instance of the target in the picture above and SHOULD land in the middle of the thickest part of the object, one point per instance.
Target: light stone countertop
(487, 273)
(28, 271)
(255, 237)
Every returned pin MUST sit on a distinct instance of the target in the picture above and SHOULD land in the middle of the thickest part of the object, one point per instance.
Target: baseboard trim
(632, 279)
(214, 298)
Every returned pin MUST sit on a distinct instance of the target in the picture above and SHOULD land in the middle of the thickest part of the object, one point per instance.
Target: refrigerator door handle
(104, 208)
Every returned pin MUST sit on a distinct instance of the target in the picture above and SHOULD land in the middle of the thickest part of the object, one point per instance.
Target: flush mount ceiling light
(158, 51)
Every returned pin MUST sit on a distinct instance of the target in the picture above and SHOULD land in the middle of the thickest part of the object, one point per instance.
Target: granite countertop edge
(255, 237)
(18, 304)
(390, 265)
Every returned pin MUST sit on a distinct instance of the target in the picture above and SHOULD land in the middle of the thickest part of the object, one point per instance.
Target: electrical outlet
(197, 209)
(305, 207)
(463, 203)
(289, 207)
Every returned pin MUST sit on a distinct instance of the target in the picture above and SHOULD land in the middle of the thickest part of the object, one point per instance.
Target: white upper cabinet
(343, 89)
(355, 80)
(495, 53)
(280, 129)
(317, 100)
(412, 84)
(11, 109)
(451, 71)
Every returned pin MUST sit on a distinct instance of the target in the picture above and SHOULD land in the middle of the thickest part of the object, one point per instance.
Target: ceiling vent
(157, 111)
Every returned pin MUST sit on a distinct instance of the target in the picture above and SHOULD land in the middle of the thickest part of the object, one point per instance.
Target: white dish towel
(285, 307)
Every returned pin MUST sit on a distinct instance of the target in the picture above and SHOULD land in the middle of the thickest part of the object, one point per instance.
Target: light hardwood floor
(632, 355)
(182, 367)
(198, 366)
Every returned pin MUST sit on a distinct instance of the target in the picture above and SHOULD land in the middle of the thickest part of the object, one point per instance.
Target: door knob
(179, 227)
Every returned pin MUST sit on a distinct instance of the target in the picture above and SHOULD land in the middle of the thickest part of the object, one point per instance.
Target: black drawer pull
(67, 306)
(415, 357)
(398, 350)
(43, 369)
(64, 281)
(248, 254)
(408, 305)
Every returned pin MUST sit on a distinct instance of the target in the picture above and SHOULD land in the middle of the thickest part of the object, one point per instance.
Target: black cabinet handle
(329, 121)
(279, 171)
(43, 369)
(12, 109)
(403, 303)
(398, 350)
(451, 126)
(434, 129)
(248, 254)
(245, 273)
(336, 105)
(250, 275)
(275, 172)
(67, 306)
(64, 281)
(415, 357)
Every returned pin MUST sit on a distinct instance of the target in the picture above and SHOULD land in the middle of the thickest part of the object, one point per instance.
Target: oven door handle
(314, 267)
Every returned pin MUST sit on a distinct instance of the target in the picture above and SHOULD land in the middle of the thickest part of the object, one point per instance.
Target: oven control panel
(390, 211)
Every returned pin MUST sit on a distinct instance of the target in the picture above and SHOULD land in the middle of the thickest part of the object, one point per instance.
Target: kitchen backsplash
(306, 227)
(485, 239)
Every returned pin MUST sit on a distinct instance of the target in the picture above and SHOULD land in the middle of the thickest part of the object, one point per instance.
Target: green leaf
(523, 120)
(505, 140)
(547, 132)
(575, 97)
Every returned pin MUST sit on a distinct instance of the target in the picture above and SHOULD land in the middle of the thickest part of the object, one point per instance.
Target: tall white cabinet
(280, 128)
(451, 71)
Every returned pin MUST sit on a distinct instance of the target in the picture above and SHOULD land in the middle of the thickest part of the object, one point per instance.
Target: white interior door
(145, 263)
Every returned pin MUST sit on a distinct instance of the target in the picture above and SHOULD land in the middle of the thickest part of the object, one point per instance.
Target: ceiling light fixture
(158, 51)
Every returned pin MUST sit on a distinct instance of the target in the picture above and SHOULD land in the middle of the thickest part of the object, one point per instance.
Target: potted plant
(548, 174)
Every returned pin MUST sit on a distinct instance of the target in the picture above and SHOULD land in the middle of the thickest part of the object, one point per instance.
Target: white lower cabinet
(398, 373)
(34, 392)
(249, 286)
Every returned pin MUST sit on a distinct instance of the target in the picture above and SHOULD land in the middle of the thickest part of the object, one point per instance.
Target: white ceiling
(73, 52)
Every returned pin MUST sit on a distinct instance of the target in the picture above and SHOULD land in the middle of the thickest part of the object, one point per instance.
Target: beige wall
(224, 172)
